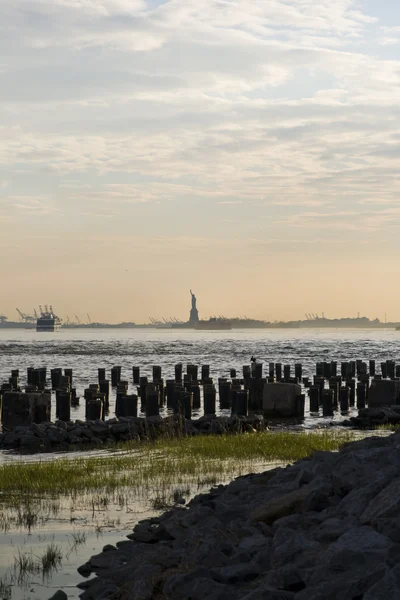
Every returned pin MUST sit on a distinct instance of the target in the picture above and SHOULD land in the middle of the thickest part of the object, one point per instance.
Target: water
(85, 351)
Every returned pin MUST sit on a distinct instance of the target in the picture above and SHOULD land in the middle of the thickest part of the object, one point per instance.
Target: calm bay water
(85, 351)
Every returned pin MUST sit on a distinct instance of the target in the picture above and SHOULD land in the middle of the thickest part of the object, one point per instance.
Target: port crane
(26, 318)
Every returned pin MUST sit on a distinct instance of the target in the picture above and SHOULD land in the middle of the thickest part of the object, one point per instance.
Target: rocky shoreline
(78, 434)
(324, 528)
(370, 418)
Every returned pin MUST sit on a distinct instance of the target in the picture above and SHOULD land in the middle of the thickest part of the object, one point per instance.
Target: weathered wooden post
(232, 373)
(210, 395)
(298, 371)
(391, 369)
(143, 383)
(345, 370)
(205, 372)
(178, 372)
(258, 370)
(187, 381)
(115, 376)
(246, 372)
(55, 375)
(152, 401)
(361, 395)
(195, 390)
(101, 374)
(63, 405)
(242, 403)
(320, 382)
(40, 407)
(286, 372)
(224, 388)
(351, 384)
(314, 393)
(136, 375)
(74, 397)
(372, 368)
(334, 385)
(184, 403)
(352, 368)
(384, 370)
(193, 371)
(271, 370)
(105, 389)
(29, 375)
(344, 399)
(69, 373)
(327, 403)
(94, 409)
(170, 392)
(131, 405)
(122, 391)
(278, 371)
(157, 373)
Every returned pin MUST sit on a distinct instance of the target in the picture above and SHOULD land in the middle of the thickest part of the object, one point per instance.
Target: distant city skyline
(249, 151)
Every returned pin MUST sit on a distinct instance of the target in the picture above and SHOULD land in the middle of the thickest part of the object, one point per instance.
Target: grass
(51, 559)
(27, 563)
(5, 589)
(163, 462)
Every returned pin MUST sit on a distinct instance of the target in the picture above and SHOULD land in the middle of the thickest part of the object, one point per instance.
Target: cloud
(279, 113)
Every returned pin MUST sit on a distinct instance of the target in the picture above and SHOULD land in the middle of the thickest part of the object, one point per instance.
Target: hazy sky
(249, 150)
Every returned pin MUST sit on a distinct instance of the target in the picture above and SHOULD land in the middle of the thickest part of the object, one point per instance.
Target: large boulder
(384, 392)
(283, 400)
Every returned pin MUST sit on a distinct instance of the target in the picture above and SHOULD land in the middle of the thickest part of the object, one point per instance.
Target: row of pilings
(328, 390)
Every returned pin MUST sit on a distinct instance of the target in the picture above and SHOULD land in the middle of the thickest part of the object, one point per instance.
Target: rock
(30, 442)
(282, 506)
(267, 593)
(253, 543)
(236, 573)
(282, 400)
(385, 504)
(85, 570)
(387, 588)
(59, 595)
(57, 435)
(145, 578)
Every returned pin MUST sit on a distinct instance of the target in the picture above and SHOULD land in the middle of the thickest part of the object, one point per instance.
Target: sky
(249, 151)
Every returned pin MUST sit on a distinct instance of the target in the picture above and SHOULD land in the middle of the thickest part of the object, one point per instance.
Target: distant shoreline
(272, 326)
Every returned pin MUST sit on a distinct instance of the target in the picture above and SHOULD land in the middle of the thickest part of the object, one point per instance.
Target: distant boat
(47, 321)
(214, 324)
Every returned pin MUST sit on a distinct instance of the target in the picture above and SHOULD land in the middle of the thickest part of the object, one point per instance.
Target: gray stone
(265, 592)
(236, 573)
(198, 588)
(253, 543)
(59, 595)
(385, 504)
(31, 442)
(387, 588)
(383, 392)
(85, 570)
(282, 400)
